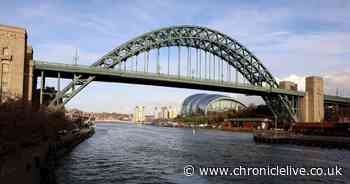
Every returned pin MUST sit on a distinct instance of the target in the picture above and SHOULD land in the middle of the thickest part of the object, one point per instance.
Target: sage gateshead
(202, 104)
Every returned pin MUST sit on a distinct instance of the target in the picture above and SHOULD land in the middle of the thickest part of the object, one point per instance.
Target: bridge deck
(115, 75)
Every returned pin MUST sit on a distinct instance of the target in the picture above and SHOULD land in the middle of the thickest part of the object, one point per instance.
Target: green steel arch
(202, 38)
(211, 41)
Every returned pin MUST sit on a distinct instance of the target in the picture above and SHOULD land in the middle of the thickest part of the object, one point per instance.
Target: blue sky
(293, 39)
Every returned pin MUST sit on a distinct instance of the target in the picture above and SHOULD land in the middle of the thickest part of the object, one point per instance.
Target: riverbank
(285, 137)
(36, 164)
(238, 129)
(111, 121)
(203, 126)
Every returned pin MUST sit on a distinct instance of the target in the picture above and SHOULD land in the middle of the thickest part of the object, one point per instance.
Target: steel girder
(202, 38)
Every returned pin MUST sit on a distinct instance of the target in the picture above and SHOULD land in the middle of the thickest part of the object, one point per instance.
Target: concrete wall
(312, 104)
(303, 108)
(315, 90)
(15, 63)
(28, 74)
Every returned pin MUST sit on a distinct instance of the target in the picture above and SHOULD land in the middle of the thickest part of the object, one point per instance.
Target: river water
(130, 153)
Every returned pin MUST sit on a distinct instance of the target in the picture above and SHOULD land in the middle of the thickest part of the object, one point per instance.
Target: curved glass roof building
(201, 104)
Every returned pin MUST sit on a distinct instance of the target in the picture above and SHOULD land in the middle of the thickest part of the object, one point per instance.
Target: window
(6, 51)
(4, 77)
(4, 86)
(5, 67)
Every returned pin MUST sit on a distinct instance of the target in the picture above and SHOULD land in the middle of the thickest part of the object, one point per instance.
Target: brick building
(16, 69)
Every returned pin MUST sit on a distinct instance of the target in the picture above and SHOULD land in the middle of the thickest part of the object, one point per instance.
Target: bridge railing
(133, 73)
(143, 74)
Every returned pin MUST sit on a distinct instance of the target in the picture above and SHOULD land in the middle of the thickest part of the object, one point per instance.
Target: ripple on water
(125, 153)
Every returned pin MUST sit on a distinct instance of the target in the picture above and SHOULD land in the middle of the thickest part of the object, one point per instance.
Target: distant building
(201, 104)
(139, 114)
(156, 113)
(172, 112)
(149, 118)
(288, 85)
(165, 112)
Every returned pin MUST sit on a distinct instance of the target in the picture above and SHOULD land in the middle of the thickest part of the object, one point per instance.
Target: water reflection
(126, 153)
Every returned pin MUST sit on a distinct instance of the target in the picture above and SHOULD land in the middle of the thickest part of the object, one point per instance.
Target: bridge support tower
(310, 107)
(313, 110)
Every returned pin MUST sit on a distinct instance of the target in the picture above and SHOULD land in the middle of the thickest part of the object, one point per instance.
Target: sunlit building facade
(201, 104)
(165, 112)
(172, 112)
(139, 114)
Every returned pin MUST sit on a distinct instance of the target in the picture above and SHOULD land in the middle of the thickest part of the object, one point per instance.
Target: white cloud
(58, 14)
(284, 49)
(340, 81)
(320, 43)
(293, 39)
(335, 81)
(300, 80)
(250, 24)
(64, 53)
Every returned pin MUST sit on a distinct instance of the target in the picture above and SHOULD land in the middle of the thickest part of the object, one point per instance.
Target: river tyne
(130, 153)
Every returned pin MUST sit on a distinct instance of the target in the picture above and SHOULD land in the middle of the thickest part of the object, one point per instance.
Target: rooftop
(12, 29)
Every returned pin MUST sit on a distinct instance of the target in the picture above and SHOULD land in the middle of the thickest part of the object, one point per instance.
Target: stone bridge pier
(311, 105)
